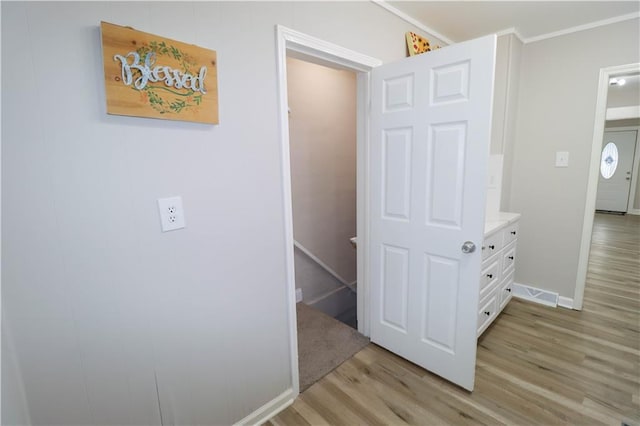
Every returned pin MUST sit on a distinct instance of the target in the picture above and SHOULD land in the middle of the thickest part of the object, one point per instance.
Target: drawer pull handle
(492, 247)
(513, 232)
(487, 313)
(508, 289)
(490, 275)
(511, 257)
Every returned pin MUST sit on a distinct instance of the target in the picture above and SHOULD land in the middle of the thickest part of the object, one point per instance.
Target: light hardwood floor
(536, 365)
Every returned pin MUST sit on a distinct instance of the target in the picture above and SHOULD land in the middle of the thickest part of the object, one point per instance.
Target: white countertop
(498, 220)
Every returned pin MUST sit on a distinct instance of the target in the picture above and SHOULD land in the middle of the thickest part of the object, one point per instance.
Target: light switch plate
(171, 213)
(562, 159)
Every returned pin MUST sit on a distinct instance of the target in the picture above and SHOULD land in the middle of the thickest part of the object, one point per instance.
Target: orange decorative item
(417, 44)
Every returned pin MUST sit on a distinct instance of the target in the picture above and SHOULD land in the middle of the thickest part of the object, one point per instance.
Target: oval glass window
(609, 160)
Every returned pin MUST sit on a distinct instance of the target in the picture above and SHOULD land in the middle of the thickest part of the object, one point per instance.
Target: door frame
(312, 49)
(592, 182)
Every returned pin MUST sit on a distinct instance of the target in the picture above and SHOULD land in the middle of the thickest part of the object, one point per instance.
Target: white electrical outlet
(171, 213)
(298, 295)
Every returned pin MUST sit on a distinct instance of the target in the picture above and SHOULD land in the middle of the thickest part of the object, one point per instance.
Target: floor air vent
(537, 295)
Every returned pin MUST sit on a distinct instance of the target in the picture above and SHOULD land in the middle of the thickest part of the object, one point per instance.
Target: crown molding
(525, 40)
(400, 14)
(578, 28)
(513, 31)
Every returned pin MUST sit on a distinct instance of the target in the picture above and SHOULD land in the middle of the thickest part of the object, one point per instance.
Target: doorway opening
(298, 46)
(322, 145)
(611, 120)
(618, 189)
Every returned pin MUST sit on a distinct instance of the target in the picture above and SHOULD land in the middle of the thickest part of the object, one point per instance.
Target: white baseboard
(634, 211)
(565, 302)
(269, 409)
(537, 295)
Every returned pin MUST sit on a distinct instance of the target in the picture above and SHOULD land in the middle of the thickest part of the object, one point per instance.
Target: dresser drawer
(487, 313)
(510, 233)
(491, 245)
(490, 276)
(508, 259)
(505, 292)
(498, 267)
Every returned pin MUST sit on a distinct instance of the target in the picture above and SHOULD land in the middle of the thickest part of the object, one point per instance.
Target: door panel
(397, 173)
(430, 131)
(395, 285)
(440, 302)
(398, 93)
(445, 160)
(450, 83)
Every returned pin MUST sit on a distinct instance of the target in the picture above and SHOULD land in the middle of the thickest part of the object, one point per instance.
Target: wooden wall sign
(151, 76)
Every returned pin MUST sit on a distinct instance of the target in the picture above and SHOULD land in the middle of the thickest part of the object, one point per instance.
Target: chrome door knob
(468, 247)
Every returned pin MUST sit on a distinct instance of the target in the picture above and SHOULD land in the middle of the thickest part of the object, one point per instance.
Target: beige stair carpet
(323, 344)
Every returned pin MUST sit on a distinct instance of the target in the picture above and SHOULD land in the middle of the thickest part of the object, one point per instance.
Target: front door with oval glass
(616, 170)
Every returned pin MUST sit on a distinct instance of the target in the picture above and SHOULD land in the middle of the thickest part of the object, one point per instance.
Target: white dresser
(498, 258)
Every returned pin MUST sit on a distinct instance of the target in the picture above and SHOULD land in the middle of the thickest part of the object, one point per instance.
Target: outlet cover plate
(171, 213)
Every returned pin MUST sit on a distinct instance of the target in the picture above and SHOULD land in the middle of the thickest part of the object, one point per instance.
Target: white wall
(503, 123)
(510, 115)
(99, 300)
(500, 94)
(505, 97)
(322, 138)
(13, 402)
(556, 108)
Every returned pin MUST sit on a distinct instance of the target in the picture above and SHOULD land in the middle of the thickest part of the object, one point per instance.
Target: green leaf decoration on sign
(161, 98)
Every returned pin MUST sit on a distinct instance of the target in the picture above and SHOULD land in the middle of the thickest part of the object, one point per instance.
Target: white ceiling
(464, 20)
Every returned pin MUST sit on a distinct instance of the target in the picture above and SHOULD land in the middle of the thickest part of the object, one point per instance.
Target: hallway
(536, 365)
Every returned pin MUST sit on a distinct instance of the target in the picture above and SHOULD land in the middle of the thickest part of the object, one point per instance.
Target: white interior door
(616, 164)
(431, 125)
